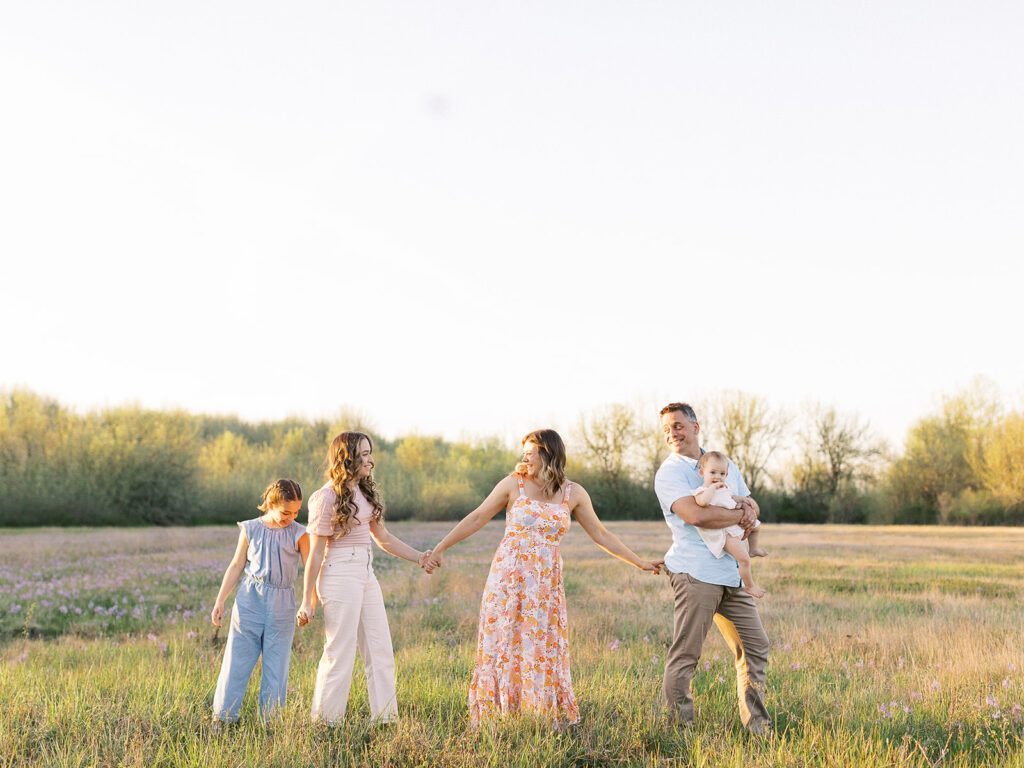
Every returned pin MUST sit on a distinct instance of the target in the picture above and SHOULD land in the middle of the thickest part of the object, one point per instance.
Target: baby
(714, 467)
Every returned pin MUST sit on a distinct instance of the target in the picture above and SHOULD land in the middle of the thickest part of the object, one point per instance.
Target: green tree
(944, 455)
(837, 457)
(749, 431)
(1003, 459)
(610, 436)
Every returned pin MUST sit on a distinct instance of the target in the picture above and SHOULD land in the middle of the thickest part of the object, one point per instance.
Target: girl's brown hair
(280, 492)
(552, 454)
(343, 465)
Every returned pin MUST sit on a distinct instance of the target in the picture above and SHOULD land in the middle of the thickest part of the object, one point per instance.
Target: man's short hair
(686, 409)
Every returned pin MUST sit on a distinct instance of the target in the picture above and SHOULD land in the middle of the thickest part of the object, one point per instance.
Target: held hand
(216, 614)
(423, 559)
(654, 566)
(434, 561)
(305, 614)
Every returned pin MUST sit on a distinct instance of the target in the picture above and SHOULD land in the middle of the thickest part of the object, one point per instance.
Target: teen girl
(344, 515)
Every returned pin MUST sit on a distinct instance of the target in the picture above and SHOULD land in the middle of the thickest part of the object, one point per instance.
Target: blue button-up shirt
(678, 477)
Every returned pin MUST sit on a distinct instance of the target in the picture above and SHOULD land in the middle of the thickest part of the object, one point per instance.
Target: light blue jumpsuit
(262, 620)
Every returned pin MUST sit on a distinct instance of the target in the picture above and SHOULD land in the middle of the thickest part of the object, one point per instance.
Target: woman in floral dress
(522, 659)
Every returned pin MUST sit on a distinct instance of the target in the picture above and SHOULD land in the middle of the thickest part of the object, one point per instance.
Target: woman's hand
(305, 614)
(217, 613)
(424, 559)
(433, 561)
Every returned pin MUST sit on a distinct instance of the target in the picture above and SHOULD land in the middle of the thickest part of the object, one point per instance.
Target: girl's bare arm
(392, 544)
(314, 561)
(231, 576)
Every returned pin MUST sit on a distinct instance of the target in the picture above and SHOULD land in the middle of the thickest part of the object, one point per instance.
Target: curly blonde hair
(552, 454)
(343, 465)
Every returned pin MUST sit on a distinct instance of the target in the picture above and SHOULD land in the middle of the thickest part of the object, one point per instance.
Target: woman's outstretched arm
(496, 501)
(583, 508)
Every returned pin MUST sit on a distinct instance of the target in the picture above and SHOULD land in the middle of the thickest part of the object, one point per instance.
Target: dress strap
(568, 490)
(522, 490)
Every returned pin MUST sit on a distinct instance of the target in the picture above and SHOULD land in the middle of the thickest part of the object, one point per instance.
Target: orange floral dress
(522, 657)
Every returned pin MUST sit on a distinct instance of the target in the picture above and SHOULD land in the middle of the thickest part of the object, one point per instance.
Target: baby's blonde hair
(708, 456)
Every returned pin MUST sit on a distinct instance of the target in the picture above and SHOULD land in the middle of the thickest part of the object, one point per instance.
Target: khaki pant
(353, 615)
(732, 609)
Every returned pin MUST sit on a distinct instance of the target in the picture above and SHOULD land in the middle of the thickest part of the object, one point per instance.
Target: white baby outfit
(715, 537)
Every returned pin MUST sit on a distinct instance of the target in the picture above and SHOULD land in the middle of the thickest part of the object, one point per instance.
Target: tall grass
(891, 646)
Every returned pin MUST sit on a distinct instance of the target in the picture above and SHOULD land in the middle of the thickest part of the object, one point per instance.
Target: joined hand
(654, 566)
(430, 561)
(424, 559)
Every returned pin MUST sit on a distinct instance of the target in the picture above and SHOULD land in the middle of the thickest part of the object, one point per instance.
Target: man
(706, 588)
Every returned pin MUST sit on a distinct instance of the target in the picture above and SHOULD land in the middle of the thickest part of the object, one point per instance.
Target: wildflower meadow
(891, 646)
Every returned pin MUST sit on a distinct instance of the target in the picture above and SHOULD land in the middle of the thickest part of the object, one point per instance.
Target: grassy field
(891, 646)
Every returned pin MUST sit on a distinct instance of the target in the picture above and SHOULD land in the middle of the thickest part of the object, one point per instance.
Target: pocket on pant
(334, 575)
(337, 564)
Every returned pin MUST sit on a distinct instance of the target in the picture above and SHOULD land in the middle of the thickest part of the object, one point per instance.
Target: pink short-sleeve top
(321, 519)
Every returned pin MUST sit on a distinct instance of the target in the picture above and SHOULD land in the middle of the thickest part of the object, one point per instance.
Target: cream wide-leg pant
(353, 610)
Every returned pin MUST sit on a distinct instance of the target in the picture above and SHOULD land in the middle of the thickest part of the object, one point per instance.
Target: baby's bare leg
(753, 545)
(735, 548)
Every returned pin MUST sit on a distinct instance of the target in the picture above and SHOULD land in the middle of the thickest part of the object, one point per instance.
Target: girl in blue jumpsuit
(264, 567)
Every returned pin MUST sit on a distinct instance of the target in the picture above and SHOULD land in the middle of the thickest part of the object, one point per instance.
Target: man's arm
(745, 501)
(669, 485)
(691, 512)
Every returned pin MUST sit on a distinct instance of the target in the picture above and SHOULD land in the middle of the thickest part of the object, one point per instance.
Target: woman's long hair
(343, 465)
(552, 455)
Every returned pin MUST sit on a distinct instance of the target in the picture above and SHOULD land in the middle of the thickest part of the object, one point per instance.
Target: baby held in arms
(714, 467)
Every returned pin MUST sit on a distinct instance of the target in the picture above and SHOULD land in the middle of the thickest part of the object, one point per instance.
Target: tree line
(961, 464)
